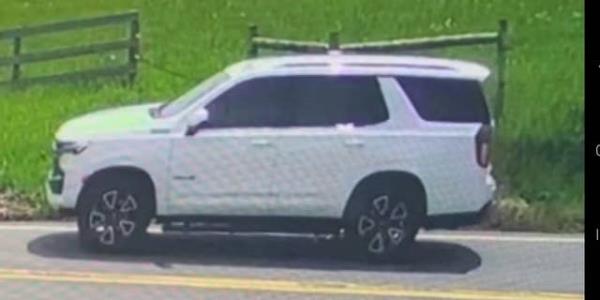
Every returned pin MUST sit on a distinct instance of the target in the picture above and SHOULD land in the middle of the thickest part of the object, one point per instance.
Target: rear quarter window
(446, 99)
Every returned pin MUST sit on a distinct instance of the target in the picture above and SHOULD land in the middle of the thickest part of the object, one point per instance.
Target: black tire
(383, 219)
(114, 212)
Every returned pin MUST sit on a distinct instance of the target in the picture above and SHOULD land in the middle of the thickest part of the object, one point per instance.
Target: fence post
(134, 48)
(16, 68)
(252, 33)
(334, 41)
(502, 48)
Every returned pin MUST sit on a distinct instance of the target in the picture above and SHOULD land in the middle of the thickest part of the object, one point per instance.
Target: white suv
(375, 147)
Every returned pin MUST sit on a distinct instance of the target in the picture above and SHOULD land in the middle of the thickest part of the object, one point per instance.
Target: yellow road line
(325, 288)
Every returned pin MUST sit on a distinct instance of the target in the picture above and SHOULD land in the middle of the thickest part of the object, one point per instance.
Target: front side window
(257, 102)
(300, 101)
(185, 100)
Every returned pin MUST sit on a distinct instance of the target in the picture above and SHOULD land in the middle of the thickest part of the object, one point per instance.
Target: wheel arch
(386, 177)
(122, 170)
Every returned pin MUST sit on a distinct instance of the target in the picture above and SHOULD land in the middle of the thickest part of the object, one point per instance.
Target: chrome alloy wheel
(383, 226)
(113, 217)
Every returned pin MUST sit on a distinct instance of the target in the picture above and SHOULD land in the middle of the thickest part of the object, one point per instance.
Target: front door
(229, 166)
(223, 172)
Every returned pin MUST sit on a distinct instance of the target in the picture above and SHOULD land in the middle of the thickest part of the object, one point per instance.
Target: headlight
(61, 147)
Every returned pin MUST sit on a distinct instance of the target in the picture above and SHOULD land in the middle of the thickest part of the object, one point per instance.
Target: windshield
(185, 100)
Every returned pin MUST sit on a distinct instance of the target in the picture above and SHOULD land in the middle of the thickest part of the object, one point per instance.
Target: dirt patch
(15, 207)
(516, 214)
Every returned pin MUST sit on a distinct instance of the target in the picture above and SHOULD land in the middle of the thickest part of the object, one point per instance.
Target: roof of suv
(367, 63)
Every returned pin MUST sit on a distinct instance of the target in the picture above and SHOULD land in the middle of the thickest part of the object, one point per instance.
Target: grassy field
(539, 152)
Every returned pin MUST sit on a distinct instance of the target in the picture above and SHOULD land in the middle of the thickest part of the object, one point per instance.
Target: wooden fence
(498, 38)
(131, 44)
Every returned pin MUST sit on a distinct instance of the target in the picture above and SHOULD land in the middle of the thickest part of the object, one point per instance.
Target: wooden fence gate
(17, 35)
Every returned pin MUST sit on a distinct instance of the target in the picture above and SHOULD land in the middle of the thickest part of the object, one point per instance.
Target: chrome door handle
(184, 177)
(261, 143)
(354, 143)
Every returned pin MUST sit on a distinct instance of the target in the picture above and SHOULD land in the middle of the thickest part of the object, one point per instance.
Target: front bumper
(61, 187)
(53, 193)
(55, 183)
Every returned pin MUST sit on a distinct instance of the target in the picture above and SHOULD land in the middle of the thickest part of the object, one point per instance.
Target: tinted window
(185, 100)
(253, 103)
(447, 100)
(327, 101)
(299, 101)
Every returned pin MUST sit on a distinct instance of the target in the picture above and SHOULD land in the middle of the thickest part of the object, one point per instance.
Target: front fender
(151, 157)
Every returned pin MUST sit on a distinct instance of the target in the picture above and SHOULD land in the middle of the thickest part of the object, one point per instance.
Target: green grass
(539, 152)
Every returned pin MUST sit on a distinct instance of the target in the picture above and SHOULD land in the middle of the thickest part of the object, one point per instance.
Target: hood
(126, 120)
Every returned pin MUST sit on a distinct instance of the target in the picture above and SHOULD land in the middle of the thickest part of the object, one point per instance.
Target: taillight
(483, 144)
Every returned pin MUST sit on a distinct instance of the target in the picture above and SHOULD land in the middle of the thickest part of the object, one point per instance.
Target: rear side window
(331, 100)
(447, 99)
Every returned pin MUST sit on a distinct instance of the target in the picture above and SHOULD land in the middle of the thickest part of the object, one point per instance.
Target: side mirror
(194, 120)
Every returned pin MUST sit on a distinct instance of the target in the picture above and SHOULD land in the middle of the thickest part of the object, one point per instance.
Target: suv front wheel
(113, 214)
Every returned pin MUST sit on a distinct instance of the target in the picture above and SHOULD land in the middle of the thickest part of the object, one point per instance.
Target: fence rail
(131, 44)
(424, 43)
(499, 38)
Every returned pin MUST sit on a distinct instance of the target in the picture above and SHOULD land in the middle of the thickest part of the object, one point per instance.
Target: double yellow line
(261, 285)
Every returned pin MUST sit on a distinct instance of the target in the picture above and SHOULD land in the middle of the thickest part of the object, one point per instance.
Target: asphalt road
(43, 261)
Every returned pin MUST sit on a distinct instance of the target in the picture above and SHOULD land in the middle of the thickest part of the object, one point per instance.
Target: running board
(249, 224)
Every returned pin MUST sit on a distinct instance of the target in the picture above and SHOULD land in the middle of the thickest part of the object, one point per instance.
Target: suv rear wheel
(384, 220)
(114, 213)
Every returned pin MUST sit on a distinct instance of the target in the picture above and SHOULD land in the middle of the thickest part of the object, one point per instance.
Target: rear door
(326, 145)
